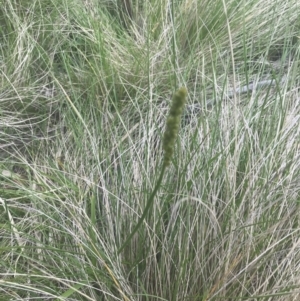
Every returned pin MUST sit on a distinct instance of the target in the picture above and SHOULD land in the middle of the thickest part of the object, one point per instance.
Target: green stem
(146, 210)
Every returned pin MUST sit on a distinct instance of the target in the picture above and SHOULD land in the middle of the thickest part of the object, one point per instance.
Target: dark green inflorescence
(173, 123)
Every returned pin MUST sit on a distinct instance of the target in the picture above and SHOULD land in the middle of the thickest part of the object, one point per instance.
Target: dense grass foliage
(86, 87)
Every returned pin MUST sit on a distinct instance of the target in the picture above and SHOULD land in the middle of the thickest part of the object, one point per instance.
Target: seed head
(172, 124)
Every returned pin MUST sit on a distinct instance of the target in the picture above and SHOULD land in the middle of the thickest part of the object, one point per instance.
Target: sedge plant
(169, 139)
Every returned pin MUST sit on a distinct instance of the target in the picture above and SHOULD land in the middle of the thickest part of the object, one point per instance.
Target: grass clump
(83, 102)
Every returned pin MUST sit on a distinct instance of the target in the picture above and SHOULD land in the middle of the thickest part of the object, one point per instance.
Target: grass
(85, 91)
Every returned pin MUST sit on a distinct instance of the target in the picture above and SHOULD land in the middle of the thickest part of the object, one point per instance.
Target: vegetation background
(85, 89)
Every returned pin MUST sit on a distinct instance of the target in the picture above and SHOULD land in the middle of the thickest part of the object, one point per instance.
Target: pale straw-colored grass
(84, 96)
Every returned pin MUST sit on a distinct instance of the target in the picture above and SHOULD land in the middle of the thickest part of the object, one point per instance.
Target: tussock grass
(85, 91)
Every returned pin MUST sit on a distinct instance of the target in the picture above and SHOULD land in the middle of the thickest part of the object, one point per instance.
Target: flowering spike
(172, 124)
